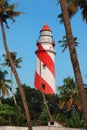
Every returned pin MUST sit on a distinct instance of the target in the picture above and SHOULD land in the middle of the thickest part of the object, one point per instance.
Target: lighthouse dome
(46, 28)
(45, 34)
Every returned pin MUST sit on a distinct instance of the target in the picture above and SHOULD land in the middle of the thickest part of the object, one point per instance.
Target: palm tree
(68, 95)
(7, 11)
(73, 7)
(65, 44)
(14, 58)
(17, 65)
(74, 58)
(83, 7)
(4, 84)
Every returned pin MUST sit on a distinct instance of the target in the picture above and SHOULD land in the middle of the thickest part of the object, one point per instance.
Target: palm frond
(10, 8)
(15, 14)
(8, 81)
(72, 8)
(4, 89)
(4, 64)
(64, 42)
(60, 16)
(8, 12)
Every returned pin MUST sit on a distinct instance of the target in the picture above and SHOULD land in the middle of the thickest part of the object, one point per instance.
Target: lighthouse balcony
(46, 33)
(40, 51)
(46, 43)
(45, 39)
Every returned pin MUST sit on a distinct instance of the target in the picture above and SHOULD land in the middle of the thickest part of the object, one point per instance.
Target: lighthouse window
(43, 86)
(47, 33)
(44, 65)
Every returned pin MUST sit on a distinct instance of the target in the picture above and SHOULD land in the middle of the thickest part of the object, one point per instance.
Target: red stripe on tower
(44, 56)
(45, 65)
(47, 90)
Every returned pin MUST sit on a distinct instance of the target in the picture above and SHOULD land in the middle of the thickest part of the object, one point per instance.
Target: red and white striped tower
(45, 64)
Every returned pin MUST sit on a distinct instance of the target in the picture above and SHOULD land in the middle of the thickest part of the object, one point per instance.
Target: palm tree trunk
(17, 80)
(12, 88)
(74, 59)
(0, 102)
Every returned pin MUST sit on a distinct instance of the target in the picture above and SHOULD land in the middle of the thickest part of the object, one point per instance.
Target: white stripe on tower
(46, 74)
(45, 67)
(46, 59)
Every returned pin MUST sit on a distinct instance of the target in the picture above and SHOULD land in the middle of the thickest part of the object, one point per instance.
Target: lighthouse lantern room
(45, 62)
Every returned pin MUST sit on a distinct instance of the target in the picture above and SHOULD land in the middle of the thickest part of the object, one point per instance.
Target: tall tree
(68, 95)
(7, 12)
(17, 65)
(74, 58)
(4, 84)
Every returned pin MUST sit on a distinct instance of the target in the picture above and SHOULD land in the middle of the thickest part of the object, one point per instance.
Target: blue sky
(23, 34)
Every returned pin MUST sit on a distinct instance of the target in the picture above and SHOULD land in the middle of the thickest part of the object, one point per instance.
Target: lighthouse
(45, 62)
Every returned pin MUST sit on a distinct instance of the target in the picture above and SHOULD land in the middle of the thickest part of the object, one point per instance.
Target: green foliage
(38, 112)
(4, 83)
(44, 117)
(60, 117)
(6, 112)
(75, 121)
(19, 116)
(3, 121)
(11, 115)
(70, 119)
(73, 7)
(14, 58)
(7, 12)
(68, 95)
(53, 101)
(35, 102)
(34, 99)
